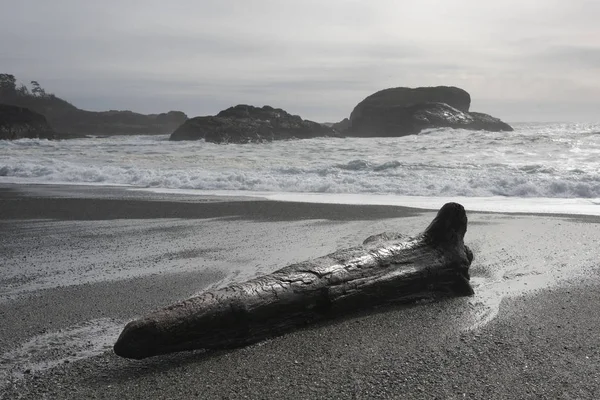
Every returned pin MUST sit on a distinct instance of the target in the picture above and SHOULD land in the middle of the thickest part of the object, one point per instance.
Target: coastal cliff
(63, 116)
(22, 123)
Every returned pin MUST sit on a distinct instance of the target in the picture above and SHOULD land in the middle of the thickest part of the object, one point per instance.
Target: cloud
(571, 56)
(316, 58)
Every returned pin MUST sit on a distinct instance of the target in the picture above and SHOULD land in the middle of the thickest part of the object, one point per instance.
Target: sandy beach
(77, 263)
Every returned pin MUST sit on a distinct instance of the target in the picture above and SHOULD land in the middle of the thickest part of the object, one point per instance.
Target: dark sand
(62, 303)
(66, 203)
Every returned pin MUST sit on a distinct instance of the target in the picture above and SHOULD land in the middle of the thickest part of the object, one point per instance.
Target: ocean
(540, 167)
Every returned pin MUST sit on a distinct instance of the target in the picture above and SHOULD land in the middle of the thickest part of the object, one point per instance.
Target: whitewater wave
(555, 161)
(357, 176)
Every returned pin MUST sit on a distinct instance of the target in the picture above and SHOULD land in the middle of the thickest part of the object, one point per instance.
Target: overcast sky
(521, 60)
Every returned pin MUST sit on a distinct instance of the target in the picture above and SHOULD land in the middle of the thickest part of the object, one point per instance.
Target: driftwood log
(387, 268)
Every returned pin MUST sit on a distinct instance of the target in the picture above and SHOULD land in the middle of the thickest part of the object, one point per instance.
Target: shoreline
(554, 206)
(85, 274)
(68, 202)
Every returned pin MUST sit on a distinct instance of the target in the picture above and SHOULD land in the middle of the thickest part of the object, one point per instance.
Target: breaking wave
(543, 160)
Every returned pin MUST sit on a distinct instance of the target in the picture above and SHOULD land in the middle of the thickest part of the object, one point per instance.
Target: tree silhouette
(8, 85)
(37, 90)
(23, 91)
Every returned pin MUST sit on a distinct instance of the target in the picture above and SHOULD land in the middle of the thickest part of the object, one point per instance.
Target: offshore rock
(387, 268)
(400, 121)
(406, 111)
(248, 124)
(405, 97)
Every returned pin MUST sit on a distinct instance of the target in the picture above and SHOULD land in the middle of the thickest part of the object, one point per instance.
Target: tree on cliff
(23, 91)
(37, 90)
(8, 85)
(9, 90)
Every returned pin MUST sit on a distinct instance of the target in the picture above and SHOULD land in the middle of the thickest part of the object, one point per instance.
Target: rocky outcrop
(406, 97)
(341, 126)
(22, 123)
(245, 124)
(400, 121)
(405, 111)
(488, 123)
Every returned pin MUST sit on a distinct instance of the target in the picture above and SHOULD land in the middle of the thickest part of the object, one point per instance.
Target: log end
(462, 287)
(447, 230)
(136, 340)
(449, 226)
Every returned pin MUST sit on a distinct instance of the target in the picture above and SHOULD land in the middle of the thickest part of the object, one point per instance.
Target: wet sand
(78, 263)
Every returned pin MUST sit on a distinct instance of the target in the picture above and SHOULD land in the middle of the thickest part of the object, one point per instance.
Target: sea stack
(404, 111)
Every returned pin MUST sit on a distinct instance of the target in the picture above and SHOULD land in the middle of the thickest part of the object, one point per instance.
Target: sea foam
(536, 160)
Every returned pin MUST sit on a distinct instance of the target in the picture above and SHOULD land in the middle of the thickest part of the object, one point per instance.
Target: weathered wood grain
(387, 268)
